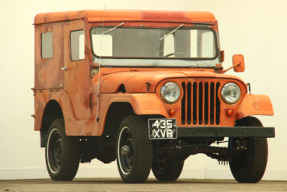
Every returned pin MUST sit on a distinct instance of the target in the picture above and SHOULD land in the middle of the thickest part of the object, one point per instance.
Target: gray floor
(149, 185)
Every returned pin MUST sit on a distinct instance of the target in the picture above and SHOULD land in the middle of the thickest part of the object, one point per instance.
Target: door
(77, 68)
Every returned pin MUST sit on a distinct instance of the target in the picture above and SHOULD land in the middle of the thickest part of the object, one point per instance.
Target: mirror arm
(231, 67)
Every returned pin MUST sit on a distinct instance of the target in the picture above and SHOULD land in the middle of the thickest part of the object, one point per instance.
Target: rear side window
(77, 45)
(47, 45)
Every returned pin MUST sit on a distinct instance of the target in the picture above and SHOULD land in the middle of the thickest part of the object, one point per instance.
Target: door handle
(64, 68)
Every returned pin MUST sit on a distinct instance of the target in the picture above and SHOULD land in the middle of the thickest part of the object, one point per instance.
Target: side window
(77, 45)
(47, 45)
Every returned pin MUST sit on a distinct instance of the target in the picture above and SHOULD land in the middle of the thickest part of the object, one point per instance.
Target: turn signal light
(229, 112)
(172, 112)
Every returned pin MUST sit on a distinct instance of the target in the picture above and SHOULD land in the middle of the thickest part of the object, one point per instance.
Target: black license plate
(162, 129)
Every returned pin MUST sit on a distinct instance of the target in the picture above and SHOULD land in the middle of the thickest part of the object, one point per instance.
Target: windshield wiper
(172, 32)
(113, 28)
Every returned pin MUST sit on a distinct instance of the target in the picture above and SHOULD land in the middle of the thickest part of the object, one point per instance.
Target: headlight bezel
(170, 83)
(224, 89)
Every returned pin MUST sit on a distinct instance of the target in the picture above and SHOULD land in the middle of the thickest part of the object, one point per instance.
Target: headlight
(230, 93)
(170, 92)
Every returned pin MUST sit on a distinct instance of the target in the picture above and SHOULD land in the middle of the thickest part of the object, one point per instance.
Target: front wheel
(62, 153)
(168, 170)
(134, 150)
(250, 164)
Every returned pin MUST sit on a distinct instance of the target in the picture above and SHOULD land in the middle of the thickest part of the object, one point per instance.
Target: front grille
(200, 104)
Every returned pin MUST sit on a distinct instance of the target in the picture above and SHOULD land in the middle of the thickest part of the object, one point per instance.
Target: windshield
(174, 42)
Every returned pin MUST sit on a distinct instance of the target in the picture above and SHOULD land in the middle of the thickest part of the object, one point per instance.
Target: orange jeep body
(93, 93)
(75, 91)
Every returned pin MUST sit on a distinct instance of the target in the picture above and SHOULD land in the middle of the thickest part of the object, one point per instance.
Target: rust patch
(256, 105)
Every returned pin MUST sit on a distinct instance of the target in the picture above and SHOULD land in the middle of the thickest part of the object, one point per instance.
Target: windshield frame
(202, 27)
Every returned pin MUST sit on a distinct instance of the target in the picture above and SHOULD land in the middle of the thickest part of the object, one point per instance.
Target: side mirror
(238, 63)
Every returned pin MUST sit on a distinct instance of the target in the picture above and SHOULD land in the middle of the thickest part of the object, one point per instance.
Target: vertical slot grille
(200, 104)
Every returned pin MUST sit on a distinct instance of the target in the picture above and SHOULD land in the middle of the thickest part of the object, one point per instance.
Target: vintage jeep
(145, 88)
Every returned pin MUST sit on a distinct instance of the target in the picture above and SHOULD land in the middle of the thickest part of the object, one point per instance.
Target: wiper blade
(113, 28)
(172, 31)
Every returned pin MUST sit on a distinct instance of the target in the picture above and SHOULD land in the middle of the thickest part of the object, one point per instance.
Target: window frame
(71, 58)
(42, 43)
(159, 58)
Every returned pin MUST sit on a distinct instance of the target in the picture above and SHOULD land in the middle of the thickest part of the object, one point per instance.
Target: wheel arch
(51, 112)
(119, 106)
(116, 114)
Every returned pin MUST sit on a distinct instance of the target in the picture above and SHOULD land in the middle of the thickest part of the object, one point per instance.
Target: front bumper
(226, 132)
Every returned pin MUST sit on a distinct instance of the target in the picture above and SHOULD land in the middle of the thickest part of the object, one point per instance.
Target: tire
(135, 164)
(62, 153)
(167, 171)
(249, 166)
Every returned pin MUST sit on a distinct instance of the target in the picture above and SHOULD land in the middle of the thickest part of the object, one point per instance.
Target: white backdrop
(255, 28)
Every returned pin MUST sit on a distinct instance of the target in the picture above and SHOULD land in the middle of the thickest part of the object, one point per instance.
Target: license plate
(162, 129)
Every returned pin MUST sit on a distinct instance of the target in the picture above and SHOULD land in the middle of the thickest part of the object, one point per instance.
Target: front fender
(143, 103)
(254, 105)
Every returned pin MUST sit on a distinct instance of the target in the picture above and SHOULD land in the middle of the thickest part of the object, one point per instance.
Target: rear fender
(254, 105)
(63, 99)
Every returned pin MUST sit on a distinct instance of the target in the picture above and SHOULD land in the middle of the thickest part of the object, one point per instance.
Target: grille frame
(201, 103)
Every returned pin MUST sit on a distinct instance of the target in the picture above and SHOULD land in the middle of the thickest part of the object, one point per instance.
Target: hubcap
(125, 150)
(54, 151)
(242, 158)
(58, 152)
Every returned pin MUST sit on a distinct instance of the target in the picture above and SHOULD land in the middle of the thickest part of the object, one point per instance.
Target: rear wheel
(168, 170)
(134, 150)
(62, 153)
(249, 166)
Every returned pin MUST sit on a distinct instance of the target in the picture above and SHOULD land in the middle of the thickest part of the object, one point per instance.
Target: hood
(136, 81)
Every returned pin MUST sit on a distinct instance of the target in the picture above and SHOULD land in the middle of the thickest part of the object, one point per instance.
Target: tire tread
(140, 170)
(171, 172)
(70, 157)
(257, 170)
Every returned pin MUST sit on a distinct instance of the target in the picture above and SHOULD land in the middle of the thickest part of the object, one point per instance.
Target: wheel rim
(54, 151)
(242, 159)
(159, 167)
(125, 161)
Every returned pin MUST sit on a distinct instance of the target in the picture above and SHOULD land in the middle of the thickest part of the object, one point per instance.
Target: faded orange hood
(136, 81)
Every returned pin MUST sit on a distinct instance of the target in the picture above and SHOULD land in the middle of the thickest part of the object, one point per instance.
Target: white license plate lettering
(162, 129)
